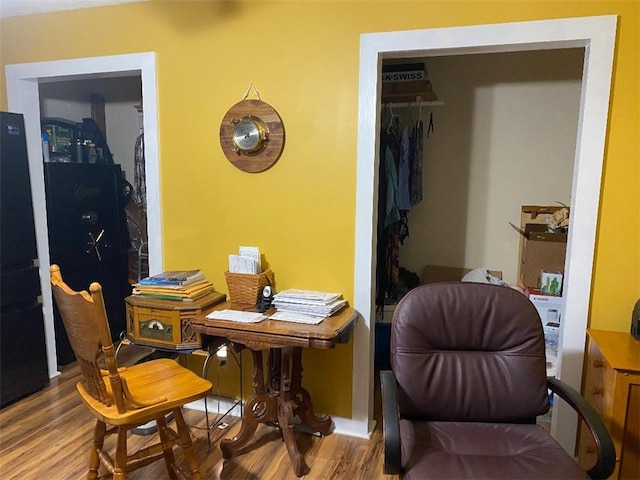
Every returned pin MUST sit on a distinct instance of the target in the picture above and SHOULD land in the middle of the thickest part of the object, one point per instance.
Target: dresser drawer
(599, 382)
(612, 386)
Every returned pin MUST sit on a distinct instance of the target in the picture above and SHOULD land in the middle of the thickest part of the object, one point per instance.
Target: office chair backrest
(85, 321)
(469, 352)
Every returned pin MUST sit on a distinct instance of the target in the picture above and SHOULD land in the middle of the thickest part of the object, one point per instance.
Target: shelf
(410, 100)
(430, 103)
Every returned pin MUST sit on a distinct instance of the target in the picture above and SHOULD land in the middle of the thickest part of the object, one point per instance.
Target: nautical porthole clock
(252, 134)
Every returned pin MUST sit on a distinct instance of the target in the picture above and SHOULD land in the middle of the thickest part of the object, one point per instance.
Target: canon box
(549, 308)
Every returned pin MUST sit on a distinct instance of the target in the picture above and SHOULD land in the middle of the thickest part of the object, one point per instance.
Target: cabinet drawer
(599, 382)
(630, 467)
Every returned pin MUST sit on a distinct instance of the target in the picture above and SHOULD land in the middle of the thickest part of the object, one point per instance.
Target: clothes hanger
(393, 122)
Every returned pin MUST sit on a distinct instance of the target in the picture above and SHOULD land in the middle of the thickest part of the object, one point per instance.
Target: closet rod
(425, 103)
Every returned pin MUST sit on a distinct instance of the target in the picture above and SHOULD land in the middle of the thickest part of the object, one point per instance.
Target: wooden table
(280, 398)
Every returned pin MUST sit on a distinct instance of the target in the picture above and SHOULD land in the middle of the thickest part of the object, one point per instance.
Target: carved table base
(280, 401)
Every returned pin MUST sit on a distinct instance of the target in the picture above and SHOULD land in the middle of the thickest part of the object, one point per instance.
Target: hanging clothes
(399, 190)
(391, 211)
(140, 181)
(403, 193)
(388, 266)
(416, 164)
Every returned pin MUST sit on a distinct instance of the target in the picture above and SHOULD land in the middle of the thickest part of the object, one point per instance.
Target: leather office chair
(125, 398)
(468, 380)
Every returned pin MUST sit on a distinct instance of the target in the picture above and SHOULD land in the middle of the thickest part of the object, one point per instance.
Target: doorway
(23, 96)
(500, 135)
(93, 126)
(597, 36)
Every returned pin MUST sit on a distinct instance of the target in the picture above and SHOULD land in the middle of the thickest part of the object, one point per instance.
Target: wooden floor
(47, 435)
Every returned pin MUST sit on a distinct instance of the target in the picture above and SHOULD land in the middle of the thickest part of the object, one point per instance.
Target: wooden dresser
(612, 386)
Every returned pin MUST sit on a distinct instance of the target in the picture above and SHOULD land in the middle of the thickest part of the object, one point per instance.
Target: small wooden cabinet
(612, 386)
(166, 323)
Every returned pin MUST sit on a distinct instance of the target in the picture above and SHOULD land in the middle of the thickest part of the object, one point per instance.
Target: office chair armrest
(606, 451)
(390, 423)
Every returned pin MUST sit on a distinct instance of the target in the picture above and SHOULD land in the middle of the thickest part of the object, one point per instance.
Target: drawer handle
(598, 363)
(597, 391)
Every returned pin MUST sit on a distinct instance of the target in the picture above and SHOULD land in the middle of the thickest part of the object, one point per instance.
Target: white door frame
(597, 36)
(23, 97)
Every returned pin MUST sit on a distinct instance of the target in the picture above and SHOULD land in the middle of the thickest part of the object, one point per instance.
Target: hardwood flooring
(47, 436)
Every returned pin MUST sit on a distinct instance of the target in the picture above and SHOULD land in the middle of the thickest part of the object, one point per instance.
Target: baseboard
(220, 405)
(217, 405)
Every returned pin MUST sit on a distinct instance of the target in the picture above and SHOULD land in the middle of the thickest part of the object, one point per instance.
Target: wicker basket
(245, 287)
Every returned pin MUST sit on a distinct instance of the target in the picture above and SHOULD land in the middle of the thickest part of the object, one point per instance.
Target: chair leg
(120, 467)
(98, 443)
(167, 450)
(187, 444)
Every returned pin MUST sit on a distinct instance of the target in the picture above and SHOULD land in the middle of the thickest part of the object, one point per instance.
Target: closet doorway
(23, 81)
(95, 189)
(597, 36)
(502, 135)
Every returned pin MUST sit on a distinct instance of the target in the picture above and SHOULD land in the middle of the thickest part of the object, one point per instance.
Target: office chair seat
(482, 450)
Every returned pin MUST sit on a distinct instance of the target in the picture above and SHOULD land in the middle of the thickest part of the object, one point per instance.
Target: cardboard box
(406, 82)
(541, 251)
(535, 218)
(537, 213)
(387, 313)
(61, 134)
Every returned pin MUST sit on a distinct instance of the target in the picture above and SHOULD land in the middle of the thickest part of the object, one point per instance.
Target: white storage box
(549, 308)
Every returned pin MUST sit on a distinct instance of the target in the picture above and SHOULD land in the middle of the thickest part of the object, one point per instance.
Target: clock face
(249, 135)
(252, 135)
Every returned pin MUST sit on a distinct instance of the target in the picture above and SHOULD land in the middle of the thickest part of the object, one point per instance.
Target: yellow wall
(303, 58)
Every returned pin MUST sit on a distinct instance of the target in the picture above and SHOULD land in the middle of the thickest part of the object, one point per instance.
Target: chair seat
(483, 450)
(162, 378)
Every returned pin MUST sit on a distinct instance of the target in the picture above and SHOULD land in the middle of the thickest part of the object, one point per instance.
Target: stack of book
(308, 302)
(187, 285)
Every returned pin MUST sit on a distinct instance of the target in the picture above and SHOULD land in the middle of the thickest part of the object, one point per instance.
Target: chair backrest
(469, 352)
(85, 321)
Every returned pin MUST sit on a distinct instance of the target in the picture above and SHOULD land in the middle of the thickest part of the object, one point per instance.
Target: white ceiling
(13, 8)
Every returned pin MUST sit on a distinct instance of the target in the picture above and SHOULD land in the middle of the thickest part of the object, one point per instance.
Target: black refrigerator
(23, 358)
(88, 237)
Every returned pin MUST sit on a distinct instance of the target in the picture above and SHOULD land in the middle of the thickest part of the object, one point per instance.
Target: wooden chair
(124, 398)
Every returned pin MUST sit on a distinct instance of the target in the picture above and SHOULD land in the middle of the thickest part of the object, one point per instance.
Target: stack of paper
(308, 302)
(236, 316)
(187, 285)
(248, 261)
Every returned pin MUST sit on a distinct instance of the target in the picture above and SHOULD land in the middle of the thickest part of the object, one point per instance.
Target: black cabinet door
(23, 355)
(17, 235)
(88, 237)
(23, 359)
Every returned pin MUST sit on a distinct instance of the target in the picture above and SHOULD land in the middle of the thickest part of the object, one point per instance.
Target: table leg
(260, 408)
(302, 399)
(280, 400)
(285, 414)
